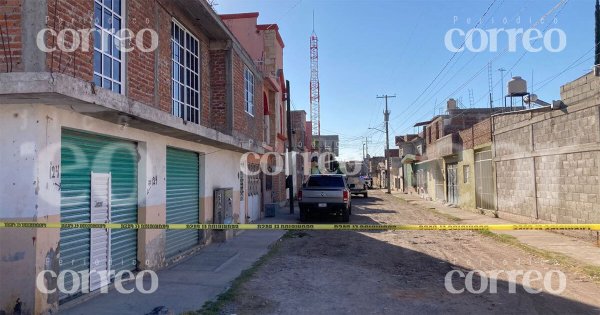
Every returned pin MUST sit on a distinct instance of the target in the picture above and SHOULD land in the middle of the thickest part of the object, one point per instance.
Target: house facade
(152, 131)
(265, 46)
(410, 150)
(475, 170)
(528, 165)
(432, 159)
(302, 157)
(393, 157)
(376, 165)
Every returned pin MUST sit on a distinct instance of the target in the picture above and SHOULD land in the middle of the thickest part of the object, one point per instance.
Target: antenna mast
(315, 97)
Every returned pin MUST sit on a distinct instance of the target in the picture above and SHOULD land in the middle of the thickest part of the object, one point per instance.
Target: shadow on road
(363, 274)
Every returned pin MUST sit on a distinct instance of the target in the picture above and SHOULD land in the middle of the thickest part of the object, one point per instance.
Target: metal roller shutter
(81, 154)
(183, 199)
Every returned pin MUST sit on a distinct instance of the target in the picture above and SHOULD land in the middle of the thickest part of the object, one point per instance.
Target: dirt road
(392, 272)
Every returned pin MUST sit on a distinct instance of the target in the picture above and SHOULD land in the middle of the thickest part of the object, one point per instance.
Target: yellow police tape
(345, 227)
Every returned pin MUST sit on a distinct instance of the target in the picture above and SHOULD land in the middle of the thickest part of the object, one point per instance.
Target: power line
(460, 88)
(436, 89)
(451, 58)
(457, 72)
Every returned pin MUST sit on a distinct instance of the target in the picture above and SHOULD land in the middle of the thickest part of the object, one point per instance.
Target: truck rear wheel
(303, 214)
(345, 215)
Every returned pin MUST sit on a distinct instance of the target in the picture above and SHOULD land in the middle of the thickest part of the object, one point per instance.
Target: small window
(466, 173)
(249, 91)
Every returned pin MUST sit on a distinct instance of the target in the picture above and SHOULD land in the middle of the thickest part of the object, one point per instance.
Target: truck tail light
(346, 194)
(300, 195)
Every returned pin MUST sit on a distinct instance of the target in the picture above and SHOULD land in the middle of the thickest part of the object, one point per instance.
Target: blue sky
(369, 48)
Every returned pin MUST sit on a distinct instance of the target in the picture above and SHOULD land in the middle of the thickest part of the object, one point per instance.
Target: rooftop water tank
(517, 87)
(451, 104)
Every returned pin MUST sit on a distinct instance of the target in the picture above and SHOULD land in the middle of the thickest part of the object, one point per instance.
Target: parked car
(325, 194)
(358, 186)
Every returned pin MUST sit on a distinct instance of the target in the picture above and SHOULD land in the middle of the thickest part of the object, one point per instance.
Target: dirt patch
(387, 272)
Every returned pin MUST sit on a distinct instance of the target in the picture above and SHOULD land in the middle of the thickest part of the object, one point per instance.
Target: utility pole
(289, 136)
(364, 160)
(367, 160)
(363, 151)
(386, 117)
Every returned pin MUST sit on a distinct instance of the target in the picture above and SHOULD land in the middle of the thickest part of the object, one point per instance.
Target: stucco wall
(434, 170)
(31, 149)
(466, 190)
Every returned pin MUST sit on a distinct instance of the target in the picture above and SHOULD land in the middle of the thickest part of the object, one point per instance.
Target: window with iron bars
(185, 74)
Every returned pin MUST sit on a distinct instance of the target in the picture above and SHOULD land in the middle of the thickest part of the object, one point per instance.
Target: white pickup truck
(325, 194)
(358, 186)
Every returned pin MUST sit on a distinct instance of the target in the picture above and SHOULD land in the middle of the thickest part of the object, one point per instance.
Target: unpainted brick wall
(479, 134)
(70, 14)
(141, 65)
(249, 125)
(11, 44)
(218, 78)
(148, 74)
(279, 187)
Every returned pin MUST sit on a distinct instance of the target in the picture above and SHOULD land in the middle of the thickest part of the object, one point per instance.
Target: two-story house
(265, 46)
(123, 111)
(435, 154)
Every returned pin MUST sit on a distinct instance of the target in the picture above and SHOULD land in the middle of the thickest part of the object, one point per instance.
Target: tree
(597, 60)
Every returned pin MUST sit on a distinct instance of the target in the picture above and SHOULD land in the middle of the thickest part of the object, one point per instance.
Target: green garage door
(183, 199)
(81, 154)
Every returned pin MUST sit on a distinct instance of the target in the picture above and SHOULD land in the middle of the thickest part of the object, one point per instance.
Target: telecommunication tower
(315, 98)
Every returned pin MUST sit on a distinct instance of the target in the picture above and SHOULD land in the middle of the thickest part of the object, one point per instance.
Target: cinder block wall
(548, 162)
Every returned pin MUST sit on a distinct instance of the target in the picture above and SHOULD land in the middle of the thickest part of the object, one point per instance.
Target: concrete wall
(31, 149)
(435, 174)
(466, 189)
(243, 26)
(476, 138)
(548, 162)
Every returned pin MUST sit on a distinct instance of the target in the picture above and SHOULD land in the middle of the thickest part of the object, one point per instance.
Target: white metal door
(254, 207)
(254, 193)
(243, 217)
(100, 238)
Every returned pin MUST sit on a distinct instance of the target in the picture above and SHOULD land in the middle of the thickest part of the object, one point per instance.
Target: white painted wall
(30, 191)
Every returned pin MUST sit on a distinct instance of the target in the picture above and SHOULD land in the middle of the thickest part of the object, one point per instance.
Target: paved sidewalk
(575, 248)
(186, 286)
